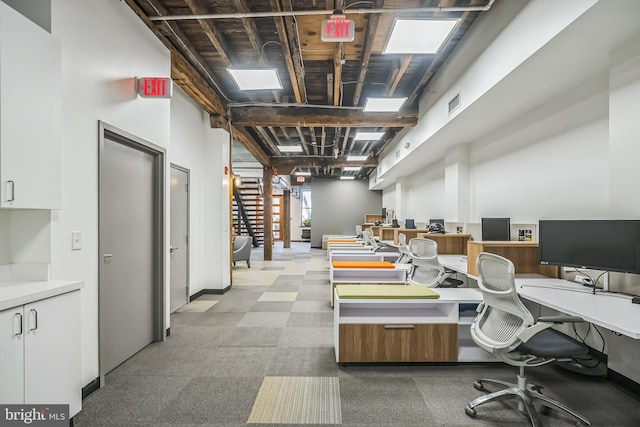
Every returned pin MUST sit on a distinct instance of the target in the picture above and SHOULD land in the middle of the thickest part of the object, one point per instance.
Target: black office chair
(506, 328)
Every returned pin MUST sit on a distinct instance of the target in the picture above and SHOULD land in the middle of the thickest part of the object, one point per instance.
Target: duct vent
(454, 103)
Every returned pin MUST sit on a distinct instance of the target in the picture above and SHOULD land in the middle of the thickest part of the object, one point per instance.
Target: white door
(126, 297)
(179, 237)
(11, 351)
(51, 351)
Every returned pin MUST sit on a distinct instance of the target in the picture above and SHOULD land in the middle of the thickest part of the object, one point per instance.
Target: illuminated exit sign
(338, 29)
(154, 87)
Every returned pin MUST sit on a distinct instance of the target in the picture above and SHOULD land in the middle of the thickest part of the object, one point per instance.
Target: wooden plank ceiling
(325, 85)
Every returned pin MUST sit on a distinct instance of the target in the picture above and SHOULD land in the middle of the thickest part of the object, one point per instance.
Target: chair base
(526, 393)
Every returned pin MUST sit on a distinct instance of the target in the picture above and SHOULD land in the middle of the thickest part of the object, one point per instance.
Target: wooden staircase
(248, 198)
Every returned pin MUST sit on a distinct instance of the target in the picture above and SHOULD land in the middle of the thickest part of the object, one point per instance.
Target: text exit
(155, 87)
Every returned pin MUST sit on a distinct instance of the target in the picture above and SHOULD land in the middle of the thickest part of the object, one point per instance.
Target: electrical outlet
(76, 240)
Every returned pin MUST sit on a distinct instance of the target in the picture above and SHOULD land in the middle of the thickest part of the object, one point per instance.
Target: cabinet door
(30, 85)
(11, 353)
(52, 351)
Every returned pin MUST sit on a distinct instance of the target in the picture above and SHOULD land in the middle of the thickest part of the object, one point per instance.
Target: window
(306, 207)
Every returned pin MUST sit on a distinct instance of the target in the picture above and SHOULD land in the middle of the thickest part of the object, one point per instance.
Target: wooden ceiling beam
(318, 116)
(314, 142)
(249, 26)
(303, 141)
(210, 30)
(281, 28)
(404, 64)
(267, 140)
(249, 142)
(289, 163)
(296, 51)
(337, 73)
(374, 19)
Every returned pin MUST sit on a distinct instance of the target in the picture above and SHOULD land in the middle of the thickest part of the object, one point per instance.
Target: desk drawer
(437, 342)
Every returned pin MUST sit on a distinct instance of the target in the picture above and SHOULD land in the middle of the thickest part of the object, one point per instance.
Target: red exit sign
(338, 29)
(154, 87)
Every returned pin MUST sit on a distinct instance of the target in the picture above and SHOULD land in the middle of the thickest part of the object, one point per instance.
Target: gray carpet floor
(263, 353)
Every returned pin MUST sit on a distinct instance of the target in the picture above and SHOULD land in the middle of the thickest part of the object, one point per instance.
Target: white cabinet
(40, 352)
(30, 88)
(11, 356)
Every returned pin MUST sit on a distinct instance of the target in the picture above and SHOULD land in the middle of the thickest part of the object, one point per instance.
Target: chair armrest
(545, 323)
(561, 319)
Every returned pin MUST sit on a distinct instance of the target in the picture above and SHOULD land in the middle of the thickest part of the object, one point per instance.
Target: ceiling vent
(454, 103)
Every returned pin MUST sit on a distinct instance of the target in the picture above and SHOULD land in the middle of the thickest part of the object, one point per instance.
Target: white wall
(216, 236)
(104, 46)
(296, 218)
(188, 133)
(425, 195)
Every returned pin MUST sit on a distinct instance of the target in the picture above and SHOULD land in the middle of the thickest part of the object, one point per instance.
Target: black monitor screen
(611, 245)
(436, 221)
(409, 223)
(496, 229)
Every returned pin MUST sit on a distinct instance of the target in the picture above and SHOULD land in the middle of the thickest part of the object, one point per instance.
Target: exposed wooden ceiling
(325, 85)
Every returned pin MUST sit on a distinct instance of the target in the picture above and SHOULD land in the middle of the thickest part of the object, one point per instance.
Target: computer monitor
(409, 223)
(384, 214)
(496, 229)
(436, 221)
(610, 245)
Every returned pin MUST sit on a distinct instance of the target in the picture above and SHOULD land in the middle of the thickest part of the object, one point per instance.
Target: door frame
(188, 172)
(107, 131)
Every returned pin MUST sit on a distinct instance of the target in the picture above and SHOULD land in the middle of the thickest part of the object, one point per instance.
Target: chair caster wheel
(478, 386)
(470, 411)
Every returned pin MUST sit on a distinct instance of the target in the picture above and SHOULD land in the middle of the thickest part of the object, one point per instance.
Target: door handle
(399, 326)
(34, 312)
(11, 185)
(107, 256)
(19, 316)
(172, 249)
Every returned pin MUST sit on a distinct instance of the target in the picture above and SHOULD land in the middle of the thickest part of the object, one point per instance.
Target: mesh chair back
(403, 249)
(423, 248)
(426, 270)
(368, 239)
(358, 230)
(504, 315)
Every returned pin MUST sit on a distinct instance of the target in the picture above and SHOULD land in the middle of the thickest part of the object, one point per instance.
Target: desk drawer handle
(399, 326)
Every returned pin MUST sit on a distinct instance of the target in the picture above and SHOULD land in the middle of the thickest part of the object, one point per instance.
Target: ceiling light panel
(368, 136)
(351, 168)
(419, 36)
(258, 79)
(375, 105)
(301, 173)
(347, 178)
(290, 148)
(357, 158)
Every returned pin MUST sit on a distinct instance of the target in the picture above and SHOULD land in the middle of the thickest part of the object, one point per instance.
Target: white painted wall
(216, 273)
(425, 195)
(296, 218)
(188, 135)
(104, 46)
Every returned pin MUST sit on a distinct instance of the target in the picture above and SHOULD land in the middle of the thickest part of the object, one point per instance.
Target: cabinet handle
(11, 185)
(172, 249)
(399, 326)
(19, 316)
(35, 319)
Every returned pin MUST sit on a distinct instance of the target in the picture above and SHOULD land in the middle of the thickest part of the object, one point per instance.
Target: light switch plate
(76, 240)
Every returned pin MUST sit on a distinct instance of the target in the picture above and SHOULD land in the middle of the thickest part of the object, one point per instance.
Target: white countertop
(609, 310)
(15, 293)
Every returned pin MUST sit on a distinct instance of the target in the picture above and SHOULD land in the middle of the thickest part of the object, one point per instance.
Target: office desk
(449, 243)
(524, 256)
(611, 311)
(408, 330)
(457, 263)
